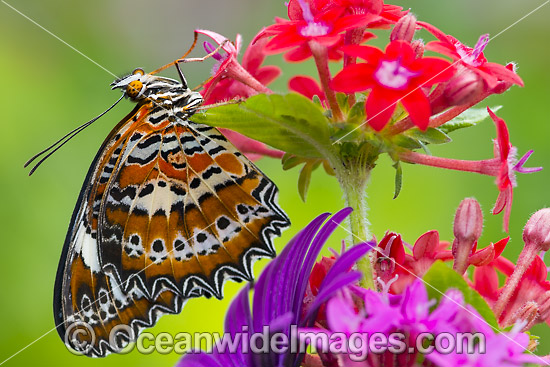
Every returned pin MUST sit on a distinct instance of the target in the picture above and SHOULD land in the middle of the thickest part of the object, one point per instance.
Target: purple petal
(276, 287)
(208, 47)
(238, 314)
(346, 261)
(519, 166)
(337, 277)
(219, 39)
(337, 283)
(297, 275)
(314, 250)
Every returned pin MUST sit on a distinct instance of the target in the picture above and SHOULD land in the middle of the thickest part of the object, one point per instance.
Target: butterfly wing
(169, 211)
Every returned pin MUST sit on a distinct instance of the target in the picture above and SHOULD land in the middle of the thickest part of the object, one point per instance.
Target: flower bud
(544, 305)
(404, 29)
(537, 230)
(468, 223)
(527, 314)
(536, 236)
(467, 229)
(502, 85)
(464, 87)
(418, 47)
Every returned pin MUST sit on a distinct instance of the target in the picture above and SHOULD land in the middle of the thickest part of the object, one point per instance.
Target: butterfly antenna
(58, 144)
(191, 59)
(195, 39)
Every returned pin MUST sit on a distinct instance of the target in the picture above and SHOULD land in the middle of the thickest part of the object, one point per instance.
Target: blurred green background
(48, 89)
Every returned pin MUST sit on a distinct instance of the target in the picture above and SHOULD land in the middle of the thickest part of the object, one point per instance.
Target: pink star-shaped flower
(395, 75)
(504, 166)
(324, 27)
(232, 80)
(472, 58)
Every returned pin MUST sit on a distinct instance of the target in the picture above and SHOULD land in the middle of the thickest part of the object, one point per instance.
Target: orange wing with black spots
(169, 211)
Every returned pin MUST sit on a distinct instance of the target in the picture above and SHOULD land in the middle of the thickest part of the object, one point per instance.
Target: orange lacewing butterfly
(168, 211)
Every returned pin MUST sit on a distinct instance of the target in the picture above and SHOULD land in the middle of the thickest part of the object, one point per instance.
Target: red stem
(238, 72)
(525, 258)
(489, 167)
(320, 55)
(438, 120)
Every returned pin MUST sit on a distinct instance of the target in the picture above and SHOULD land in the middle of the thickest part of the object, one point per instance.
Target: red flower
(503, 166)
(532, 290)
(323, 27)
(393, 76)
(232, 80)
(533, 287)
(472, 58)
(392, 260)
(306, 86)
(506, 165)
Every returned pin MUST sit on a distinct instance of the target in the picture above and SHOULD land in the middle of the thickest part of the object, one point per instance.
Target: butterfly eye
(133, 89)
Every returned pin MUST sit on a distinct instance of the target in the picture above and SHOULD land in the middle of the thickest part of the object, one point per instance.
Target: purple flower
(411, 314)
(279, 297)
(499, 349)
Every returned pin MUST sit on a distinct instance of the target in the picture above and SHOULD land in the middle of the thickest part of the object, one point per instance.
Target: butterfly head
(140, 86)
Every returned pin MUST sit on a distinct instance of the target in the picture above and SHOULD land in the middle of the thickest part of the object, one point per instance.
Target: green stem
(353, 180)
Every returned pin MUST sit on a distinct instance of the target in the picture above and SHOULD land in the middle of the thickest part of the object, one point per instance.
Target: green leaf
(431, 136)
(356, 114)
(470, 117)
(317, 100)
(406, 142)
(441, 278)
(292, 162)
(305, 178)
(344, 132)
(290, 122)
(342, 100)
(398, 179)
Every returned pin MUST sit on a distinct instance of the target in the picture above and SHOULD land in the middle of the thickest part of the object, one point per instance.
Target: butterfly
(169, 210)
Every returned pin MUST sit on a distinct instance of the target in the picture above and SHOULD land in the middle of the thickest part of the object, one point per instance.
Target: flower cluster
(323, 298)
(392, 100)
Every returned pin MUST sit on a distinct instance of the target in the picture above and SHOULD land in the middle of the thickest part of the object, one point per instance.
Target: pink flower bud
(528, 314)
(463, 88)
(544, 305)
(537, 230)
(418, 48)
(468, 223)
(536, 236)
(467, 229)
(505, 84)
(404, 29)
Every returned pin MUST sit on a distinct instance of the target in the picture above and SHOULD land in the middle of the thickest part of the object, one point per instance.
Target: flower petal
(418, 106)
(306, 86)
(267, 74)
(300, 53)
(402, 51)
(353, 78)
(379, 107)
(284, 41)
(369, 53)
(354, 21)
(503, 137)
(433, 70)
(228, 47)
(503, 73)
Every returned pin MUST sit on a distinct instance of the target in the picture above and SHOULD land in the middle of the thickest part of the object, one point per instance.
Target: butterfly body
(169, 210)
